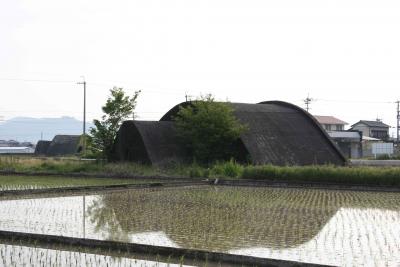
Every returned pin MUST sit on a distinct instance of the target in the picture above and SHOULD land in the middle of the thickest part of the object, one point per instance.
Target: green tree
(118, 108)
(209, 129)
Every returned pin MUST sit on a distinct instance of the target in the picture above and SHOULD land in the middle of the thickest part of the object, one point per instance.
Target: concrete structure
(17, 150)
(349, 142)
(330, 123)
(374, 129)
(13, 143)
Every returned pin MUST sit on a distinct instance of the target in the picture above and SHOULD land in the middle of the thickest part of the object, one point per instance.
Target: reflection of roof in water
(224, 219)
(349, 227)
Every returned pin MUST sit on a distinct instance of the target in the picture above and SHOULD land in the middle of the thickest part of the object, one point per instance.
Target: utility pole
(83, 152)
(84, 116)
(307, 101)
(398, 120)
(187, 97)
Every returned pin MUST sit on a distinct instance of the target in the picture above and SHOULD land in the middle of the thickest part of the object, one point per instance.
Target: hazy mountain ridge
(30, 129)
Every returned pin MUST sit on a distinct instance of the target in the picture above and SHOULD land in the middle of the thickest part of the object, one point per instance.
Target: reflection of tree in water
(106, 220)
(225, 218)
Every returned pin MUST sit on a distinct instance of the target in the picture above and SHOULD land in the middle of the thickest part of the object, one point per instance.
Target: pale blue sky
(345, 53)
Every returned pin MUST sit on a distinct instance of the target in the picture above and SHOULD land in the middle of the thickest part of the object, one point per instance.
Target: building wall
(383, 132)
(351, 149)
(333, 127)
(16, 150)
(363, 128)
(369, 131)
(356, 150)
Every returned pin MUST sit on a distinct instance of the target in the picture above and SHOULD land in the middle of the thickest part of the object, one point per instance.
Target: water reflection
(329, 227)
(316, 226)
(228, 218)
(20, 255)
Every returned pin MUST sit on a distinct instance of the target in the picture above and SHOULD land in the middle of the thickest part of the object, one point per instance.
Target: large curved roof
(148, 142)
(281, 133)
(64, 145)
(41, 147)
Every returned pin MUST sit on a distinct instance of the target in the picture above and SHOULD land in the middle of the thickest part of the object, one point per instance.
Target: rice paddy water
(15, 255)
(315, 226)
(47, 182)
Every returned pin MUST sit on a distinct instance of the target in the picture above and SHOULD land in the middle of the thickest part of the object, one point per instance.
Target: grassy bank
(389, 176)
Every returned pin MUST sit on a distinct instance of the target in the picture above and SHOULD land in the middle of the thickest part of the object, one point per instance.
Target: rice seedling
(41, 182)
(317, 226)
(20, 255)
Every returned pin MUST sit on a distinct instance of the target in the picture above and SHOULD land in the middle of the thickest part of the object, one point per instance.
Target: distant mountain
(30, 129)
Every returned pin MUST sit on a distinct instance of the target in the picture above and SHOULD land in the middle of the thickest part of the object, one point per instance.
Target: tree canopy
(118, 108)
(209, 129)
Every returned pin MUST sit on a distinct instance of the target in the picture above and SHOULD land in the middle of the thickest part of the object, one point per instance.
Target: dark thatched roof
(280, 133)
(64, 145)
(151, 142)
(41, 147)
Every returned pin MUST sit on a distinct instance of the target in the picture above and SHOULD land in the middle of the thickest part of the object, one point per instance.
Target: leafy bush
(227, 169)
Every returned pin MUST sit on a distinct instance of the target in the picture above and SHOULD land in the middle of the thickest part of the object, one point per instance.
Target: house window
(379, 134)
(328, 127)
(339, 127)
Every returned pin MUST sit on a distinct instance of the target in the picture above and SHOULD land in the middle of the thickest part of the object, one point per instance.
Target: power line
(353, 101)
(35, 80)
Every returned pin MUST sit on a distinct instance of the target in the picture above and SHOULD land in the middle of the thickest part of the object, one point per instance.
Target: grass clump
(328, 174)
(388, 176)
(229, 169)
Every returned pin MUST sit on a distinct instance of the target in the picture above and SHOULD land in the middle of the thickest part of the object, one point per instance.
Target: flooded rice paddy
(47, 182)
(343, 228)
(16, 255)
